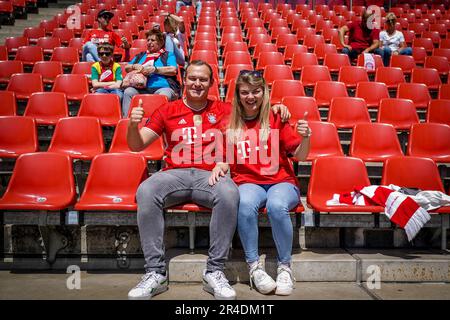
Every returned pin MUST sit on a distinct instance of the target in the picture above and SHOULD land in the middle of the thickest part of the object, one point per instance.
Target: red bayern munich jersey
(254, 165)
(189, 144)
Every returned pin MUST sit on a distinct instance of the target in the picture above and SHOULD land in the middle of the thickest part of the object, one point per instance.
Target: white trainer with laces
(260, 279)
(152, 283)
(217, 284)
(285, 280)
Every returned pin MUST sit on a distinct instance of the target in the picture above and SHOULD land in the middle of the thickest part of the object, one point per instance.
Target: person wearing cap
(106, 74)
(392, 40)
(101, 35)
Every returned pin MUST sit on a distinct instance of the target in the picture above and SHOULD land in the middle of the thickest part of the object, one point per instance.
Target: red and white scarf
(400, 208)
(152, 57)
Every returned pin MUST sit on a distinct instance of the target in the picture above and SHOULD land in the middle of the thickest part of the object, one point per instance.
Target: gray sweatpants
(176, 186)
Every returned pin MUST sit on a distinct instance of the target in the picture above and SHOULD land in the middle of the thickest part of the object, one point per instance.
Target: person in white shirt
(392, 41)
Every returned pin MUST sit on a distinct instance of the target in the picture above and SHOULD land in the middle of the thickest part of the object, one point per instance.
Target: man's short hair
(159, 35)
(200, 63)
(105, 47)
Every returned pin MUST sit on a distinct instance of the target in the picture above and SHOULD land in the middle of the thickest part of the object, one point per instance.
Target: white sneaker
(285, 280)
(217, 284)
(152, 283)
(260, 279)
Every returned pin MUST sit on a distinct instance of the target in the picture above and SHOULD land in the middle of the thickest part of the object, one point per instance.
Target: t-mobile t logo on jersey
(243, 148)
(189, 134)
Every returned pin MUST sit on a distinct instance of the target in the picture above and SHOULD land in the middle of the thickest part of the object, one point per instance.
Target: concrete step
(313, 265)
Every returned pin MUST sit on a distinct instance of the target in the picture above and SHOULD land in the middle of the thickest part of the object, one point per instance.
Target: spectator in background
(363, 38)
(159, 66)
(392, 40)
(175, 37)
(106, 75)
(101, 35)
(197, 4)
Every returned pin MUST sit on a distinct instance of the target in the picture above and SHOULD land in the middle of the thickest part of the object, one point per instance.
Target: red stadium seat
(75, 86)
(150, 102)
(286, 39)
(323, 49)
(311, 41)
(264, 47)
(266, 58)
(48, 44)
(3, 53)
(155, 151)
(8, 107)
(235, 46)
(444, 91)
(33, 34)
(49, 70)
(334, 61)
(372, 92)
(33, 81)
(401, 113)
(109, 187)
(390, 76)
(17, 136)
(313, 73)
(346, 112)
(277, 72)
(8, 68)
(83, 68)
(254, 39)
(205, 55)
(47, 107)
(106, 107)
(64, 34)
(417, 92)
(290, 50)
(438, 52)
(429, 76)
(324, 91)
(236, 57)
(337, 175)
(78, 137)
(68, 56)
(419, 54)
(431, 140)
(12, 43)
(29, 55)
(351, 75)
(439, 111)
(233, 70)
(299, 60)
(299, 105)
(283, 88)
(325, 140)
(40, 181)
(406, 63)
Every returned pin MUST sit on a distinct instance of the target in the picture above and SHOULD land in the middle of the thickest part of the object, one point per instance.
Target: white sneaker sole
(148, 297)
(266, 290)
(283, 292)
(210, 290)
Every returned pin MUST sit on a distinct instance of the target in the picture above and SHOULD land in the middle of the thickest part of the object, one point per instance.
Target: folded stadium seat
(262, 6)
(290, 50)
(8, 68)
(409, 36)
(300, 23)
(201, 45)
(235, 46)
(374, 142)
(33, 34)
(433, 35)
(346, 112)
(263, 47)
(29, 55)
(275, 32)
(329, 33)
(12, 43)
(228, 22)
(338, 21)
(397, 171)
(153, 152)
(323, 49)
(372, 92)
(419, 54)
(236, 57)
(310, 40)
(84, 67)
(277, 72)
(250, 31)
(376, 57)
(230, 37)
(64, 34)
(336, 175)
(207, 28)
(106, 107)
(3, 52)
(33, 84)
(233, 70)
(48, 44)
(267, 58)
(40, 181)
(75, 86)
(390, 76)
(299, 60)
(254, 39)
(439, 111)
(298, 105)
(429, 76)
(283, 88)
(441, 28)
(351, 75)
(109, 187)
(79, 137)
(431, 140)
(253, 22)
(68, 56)
(444, 91)
(406, 63)
(324, 141)
(302, 32)
(334, 61)
(17, 136)
(76, 43)
(401, 113)
(8, 107)
(417, 92)
(150, 102)
(286, 39)
(47, 107)
(49, 70)
(324, 91)
(418, 28)
(231, 29)
(322, 25)
(311, 74)
(201, 36)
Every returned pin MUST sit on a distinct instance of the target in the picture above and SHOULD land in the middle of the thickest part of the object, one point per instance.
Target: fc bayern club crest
(212, 118)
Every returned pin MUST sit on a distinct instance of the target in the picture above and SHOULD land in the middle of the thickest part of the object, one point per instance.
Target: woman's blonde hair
(236, 124)
(391, 17)
(170, 24)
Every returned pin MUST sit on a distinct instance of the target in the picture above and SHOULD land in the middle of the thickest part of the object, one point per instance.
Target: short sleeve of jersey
(88, 37)
(288, 137)
(156, 121)
(118, 75)
(94, 74)
(116, 39)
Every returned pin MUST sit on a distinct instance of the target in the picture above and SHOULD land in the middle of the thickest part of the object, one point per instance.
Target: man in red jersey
(191, 127)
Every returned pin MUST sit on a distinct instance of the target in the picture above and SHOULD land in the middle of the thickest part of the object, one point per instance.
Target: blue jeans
(387, 52)
(353, 54)
(90, 52)
(278, 199)
(114, 91)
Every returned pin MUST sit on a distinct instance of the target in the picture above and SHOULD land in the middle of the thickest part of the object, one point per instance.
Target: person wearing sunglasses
(101, 35)
(258, 148)
(392, 40)
(106, 75)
